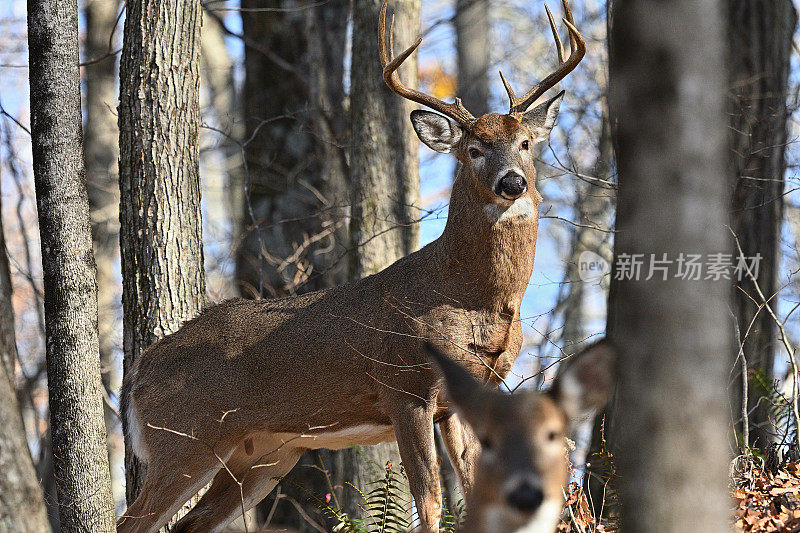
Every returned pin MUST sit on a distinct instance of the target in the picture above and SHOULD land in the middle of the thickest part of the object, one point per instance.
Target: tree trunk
(383, 149)
(384, 173)
(101, 152)
(759, 51)
(667, 92)
(287, 245)
(22, 506)
(161, 231)
(472, 53)
(326, 34)
(70, 292)
(594, 208)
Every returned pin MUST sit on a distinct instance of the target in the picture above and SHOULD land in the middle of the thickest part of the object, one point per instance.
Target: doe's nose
(512, 185)
(525, 497)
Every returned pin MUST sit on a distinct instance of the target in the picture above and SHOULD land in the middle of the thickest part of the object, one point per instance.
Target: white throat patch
(544, 520)
(522, 208)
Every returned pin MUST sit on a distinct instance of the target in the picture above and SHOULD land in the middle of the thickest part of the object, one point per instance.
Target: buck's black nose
(525, 497)
(511, 186)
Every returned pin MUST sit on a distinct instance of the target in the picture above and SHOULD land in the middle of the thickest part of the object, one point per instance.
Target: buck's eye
(524, 145)
(486, 444)
(474, 153)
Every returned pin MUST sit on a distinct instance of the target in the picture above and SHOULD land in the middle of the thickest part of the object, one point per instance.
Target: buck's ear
(466, 393)
(540, 119)
(438, 132)
(584, 383)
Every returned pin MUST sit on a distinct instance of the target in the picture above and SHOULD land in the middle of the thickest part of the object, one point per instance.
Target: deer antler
(456, 110)
(520, 104)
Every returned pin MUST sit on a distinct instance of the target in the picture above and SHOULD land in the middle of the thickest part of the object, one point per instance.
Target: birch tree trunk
(668, 84)
(759, 53)
(70, 291)
(161, 231)
(22, 506)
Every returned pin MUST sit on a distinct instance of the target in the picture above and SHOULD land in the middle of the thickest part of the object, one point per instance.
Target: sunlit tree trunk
(160, 232)
(668, 83)
(70, 291)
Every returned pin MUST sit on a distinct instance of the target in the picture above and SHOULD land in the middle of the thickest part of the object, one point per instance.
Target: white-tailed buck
(521, 472)
(255, 383)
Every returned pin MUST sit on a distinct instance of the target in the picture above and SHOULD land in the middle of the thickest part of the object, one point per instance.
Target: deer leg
(258, 472)
(463, 449)
(170, 481)
(415, 440)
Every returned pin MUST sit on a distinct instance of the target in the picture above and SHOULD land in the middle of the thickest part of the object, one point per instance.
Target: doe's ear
(468, 395)
(583, 385)
(540, 119)
(438, 132)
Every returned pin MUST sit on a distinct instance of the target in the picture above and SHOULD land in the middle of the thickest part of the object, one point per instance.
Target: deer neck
(490, 246)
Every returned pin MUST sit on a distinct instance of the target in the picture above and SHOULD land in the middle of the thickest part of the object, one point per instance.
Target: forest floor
(765, 498)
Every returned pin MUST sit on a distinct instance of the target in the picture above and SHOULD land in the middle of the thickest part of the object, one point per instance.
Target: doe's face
(522, 468)
(497, 150)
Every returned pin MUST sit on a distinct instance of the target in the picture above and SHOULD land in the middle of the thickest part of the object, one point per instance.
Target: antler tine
(456, 110)
(568, 15)
(556, 37)
(520, 104)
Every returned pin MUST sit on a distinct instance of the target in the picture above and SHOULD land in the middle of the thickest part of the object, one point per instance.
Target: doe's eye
(474, 153)
(524, 145)
(552, 436)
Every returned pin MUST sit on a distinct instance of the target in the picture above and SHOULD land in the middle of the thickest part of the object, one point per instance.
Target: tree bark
(161, 231)
(667, 92)
(383, 149)
(22, 506)
(759, 51)
(73, 362)
(100, 154)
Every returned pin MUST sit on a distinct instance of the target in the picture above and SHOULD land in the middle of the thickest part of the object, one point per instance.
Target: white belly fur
(342, 438)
